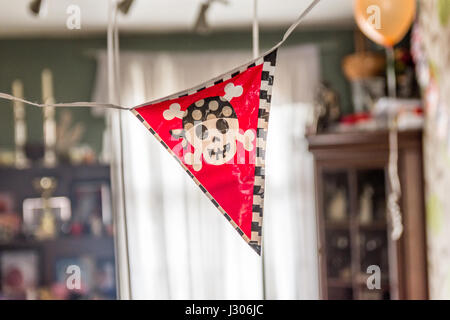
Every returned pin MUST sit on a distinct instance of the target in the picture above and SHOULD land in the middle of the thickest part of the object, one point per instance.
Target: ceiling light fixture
(201, 24)
(124, 6)
(35, 7)
(38, 8)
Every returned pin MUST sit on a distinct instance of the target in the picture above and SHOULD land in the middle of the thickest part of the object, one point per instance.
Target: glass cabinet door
(372, 234)
(336, 211)
(355, 234)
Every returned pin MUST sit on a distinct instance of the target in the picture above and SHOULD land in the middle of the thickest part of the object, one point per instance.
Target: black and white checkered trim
(265, 96)
(267, 76)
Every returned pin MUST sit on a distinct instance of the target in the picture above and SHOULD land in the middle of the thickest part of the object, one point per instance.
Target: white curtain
(180, 247)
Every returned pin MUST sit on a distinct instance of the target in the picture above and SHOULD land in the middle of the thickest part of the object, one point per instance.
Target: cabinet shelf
(374, 226)
(337, 225)
(340, 283)
(88, 244)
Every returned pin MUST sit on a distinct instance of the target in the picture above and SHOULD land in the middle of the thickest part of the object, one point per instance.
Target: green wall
(74, 70)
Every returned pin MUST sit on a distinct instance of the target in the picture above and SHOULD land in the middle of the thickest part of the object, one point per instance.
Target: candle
(49, 119)
(20, 128)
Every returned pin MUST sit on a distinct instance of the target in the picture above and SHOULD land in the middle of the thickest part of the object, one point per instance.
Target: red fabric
(356, 117)
(230, 184)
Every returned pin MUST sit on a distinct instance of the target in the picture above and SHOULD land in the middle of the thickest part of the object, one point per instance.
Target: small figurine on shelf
(76, 228)
(96, 225)
(47, 227)
(9, 220)
(9, 226)
(366, 205)
(337, 206)
(327, 109)
(68, 136)
(20, 127)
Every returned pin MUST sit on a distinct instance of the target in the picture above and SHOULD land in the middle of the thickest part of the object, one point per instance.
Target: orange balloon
(385, 21)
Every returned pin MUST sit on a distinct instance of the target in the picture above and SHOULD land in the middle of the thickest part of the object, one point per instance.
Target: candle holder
(50, 159)
(46, 186)
(20, 127)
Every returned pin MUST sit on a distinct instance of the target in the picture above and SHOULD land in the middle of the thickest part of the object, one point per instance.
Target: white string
(255, 38)
(121, 230)
(70, 104)
(394, 180)
(395, 193)
(255, 30)
(122, 169)
(297, 22)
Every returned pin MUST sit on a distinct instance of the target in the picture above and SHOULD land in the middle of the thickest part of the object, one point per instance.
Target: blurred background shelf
(99, 246)
(84, 240)
(64, 247)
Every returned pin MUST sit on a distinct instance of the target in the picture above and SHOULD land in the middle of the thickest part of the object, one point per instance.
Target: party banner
(217, 132)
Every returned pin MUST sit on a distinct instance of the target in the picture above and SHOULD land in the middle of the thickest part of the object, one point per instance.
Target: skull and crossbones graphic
(211, 126)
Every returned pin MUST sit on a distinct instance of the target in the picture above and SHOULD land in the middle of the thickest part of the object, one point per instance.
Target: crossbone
(174, 111)
(232, 91)
(246, 139)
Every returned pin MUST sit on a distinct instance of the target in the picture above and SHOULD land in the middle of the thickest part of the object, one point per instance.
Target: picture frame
(105, 281)
(86, 267)
(7, 203)
(19, 272)
(10, 222)
(91, 200)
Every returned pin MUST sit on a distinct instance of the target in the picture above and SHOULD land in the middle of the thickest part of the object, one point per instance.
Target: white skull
(211, 127)
(214, 139)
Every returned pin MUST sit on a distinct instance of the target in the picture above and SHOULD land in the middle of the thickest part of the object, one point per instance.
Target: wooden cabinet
(353, 223)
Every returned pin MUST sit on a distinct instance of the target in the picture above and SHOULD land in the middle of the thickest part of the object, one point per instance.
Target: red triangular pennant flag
(217, 132)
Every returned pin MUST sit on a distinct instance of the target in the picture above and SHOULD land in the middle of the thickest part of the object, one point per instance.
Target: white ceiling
(165, 15)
